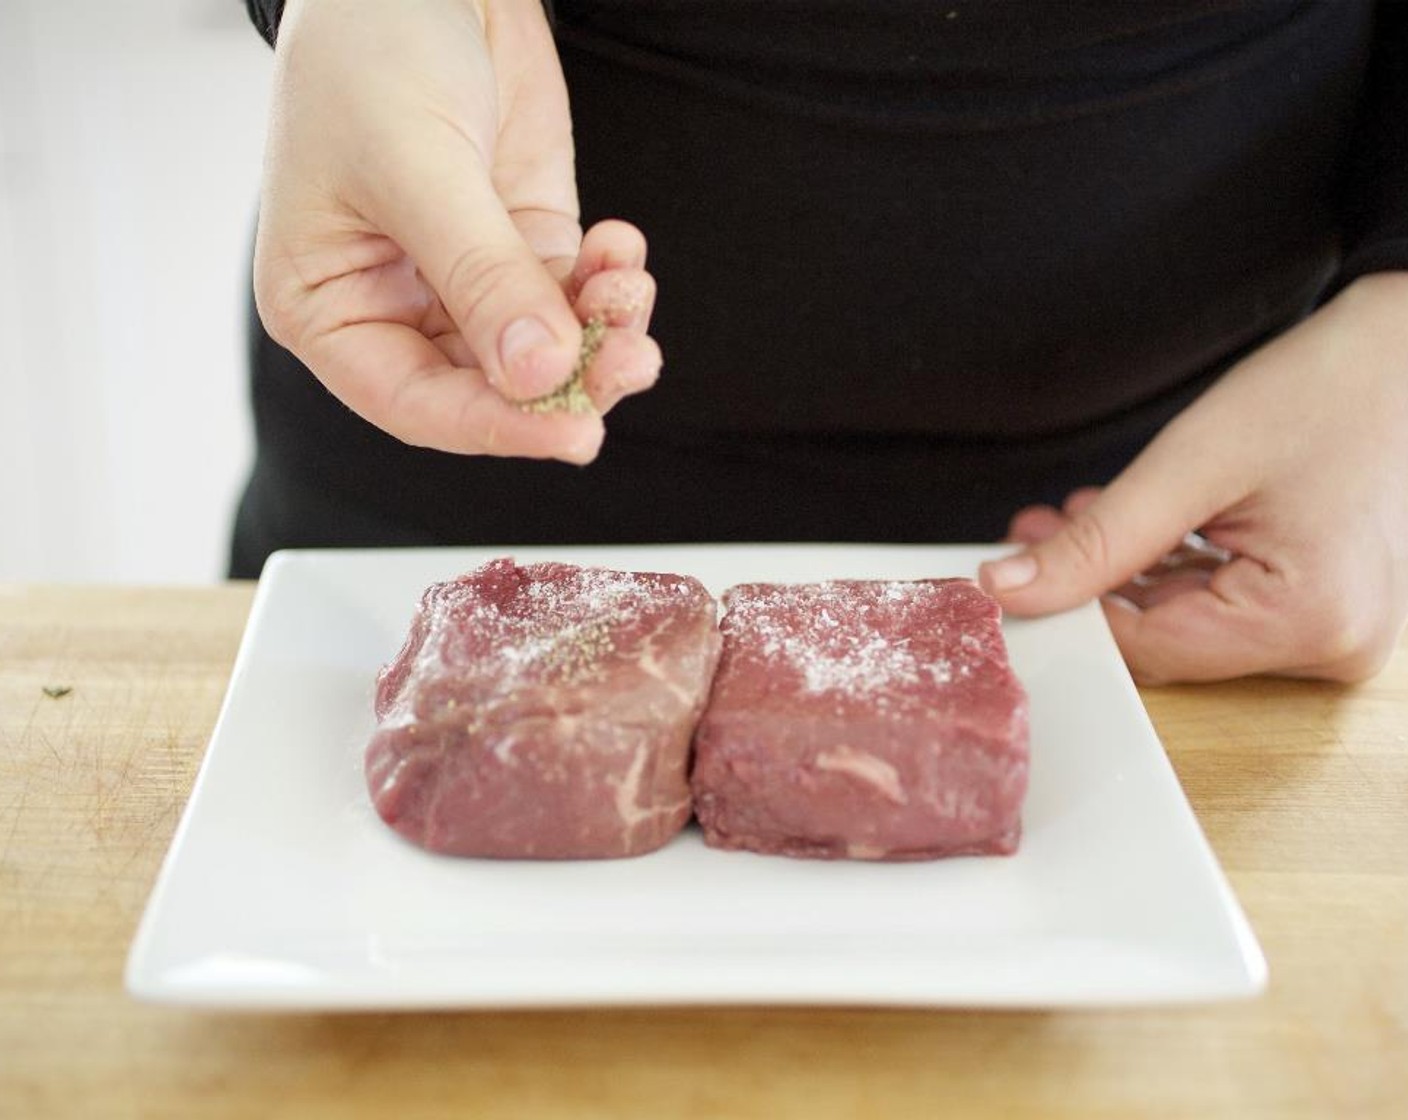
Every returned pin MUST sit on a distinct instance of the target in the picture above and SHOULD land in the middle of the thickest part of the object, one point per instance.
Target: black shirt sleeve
(1375, 206)
(265, 15)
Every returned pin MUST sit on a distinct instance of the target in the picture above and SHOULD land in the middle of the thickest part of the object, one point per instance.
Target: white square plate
(282, 888)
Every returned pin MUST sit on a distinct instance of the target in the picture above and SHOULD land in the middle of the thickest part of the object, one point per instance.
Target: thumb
(440, 205)
(1140, 517)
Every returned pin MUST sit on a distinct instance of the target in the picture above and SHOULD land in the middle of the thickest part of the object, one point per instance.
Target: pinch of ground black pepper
(571, 395)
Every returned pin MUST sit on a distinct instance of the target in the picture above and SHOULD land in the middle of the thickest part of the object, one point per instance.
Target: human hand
(1296, 464)
(419, 246)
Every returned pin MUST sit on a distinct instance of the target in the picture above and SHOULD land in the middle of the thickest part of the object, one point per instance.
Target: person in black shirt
(1127, 283)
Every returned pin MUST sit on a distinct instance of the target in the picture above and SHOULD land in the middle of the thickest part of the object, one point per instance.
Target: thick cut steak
(862, 719)
(544, 712)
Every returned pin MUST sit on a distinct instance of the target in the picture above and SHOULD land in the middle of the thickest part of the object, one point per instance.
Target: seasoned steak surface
(544, 711)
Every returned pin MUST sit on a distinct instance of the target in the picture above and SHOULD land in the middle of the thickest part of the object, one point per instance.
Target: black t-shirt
(919, 263)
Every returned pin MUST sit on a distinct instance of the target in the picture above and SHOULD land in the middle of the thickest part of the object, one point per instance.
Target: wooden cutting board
(1301, 788)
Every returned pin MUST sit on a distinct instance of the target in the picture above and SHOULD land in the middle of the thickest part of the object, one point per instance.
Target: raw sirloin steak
(544, 712)
(862, 719)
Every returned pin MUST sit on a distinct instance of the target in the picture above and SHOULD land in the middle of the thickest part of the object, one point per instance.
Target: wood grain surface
(1301, 788)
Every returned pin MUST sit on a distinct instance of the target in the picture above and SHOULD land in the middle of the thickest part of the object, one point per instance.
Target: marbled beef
(544, 712)
(862, 719)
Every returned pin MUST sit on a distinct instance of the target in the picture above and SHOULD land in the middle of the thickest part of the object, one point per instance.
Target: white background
(130, 139)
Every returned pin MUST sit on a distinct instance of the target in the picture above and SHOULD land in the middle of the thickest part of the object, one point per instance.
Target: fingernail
(525, 354)
(1011, 573)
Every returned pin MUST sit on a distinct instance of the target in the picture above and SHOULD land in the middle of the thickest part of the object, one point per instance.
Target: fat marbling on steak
(863, 720)
(544, 712)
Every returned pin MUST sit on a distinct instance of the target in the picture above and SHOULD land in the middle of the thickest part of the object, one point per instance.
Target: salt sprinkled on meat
(864, 720)
(850, 667)
(839, 637)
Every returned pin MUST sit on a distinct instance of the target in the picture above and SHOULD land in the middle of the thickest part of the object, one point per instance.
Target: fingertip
(1077, 501)
(627, 363)
(1121, 615)
(620, 242)
(585, 448)
(611, 243)
(1034, 524)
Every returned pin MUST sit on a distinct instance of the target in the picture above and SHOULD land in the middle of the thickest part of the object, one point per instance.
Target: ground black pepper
(571, 395)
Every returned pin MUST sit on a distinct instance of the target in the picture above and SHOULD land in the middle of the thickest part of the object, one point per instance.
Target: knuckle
(1347, 640)
(622, 297)
(1361, 667)
(283, 297)
(1088, 542)
(474, 273)
(466, 435)
(279, 307)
